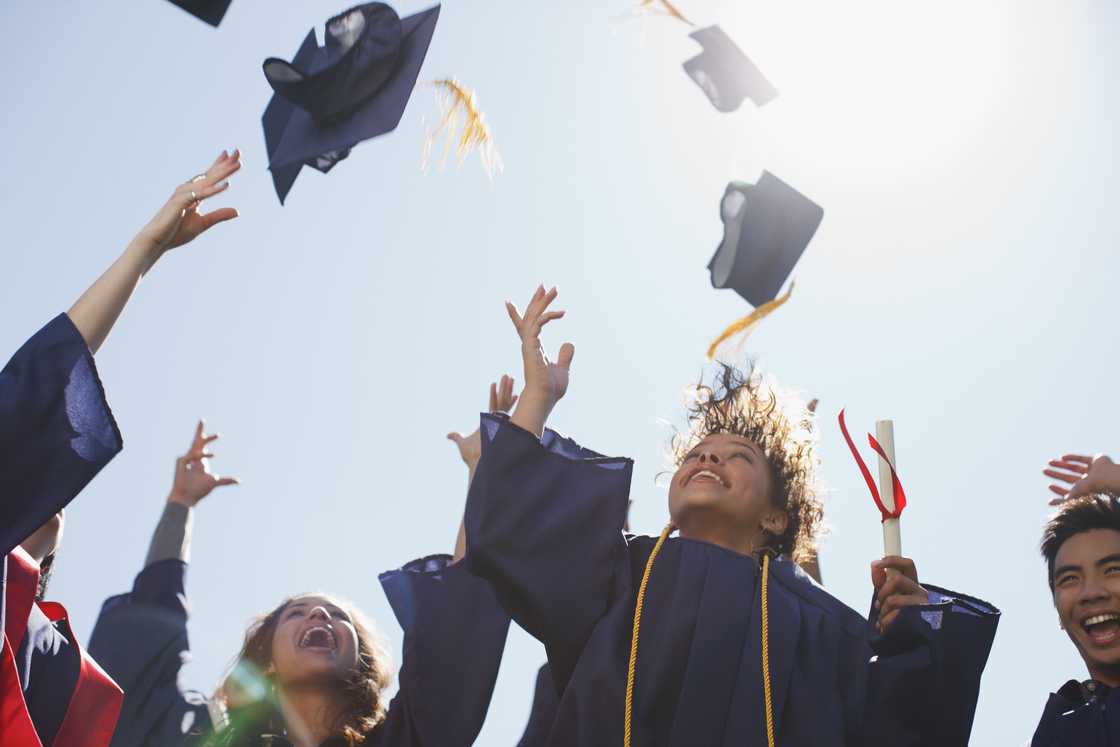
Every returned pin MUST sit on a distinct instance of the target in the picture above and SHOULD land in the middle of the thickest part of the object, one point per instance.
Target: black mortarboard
(766, 227)
(210, 11)
(725, 74)
(356, 87)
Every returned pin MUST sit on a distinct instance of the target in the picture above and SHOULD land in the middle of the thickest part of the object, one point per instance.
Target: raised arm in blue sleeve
(454, 635)
(924, 680)
(56, 429)
(544, 525)
(140, 639)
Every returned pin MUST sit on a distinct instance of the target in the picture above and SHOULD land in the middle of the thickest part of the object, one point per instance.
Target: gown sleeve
(56, 429)
(925, 677)
(544, 524)
(454, 635)
(140, 640)
(542, 715)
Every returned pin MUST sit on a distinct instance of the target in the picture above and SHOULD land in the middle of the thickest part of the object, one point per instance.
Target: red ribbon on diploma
(899, 493)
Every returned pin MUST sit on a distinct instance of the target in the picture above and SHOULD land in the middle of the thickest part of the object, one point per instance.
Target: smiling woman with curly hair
(715, 635)
(770, 427)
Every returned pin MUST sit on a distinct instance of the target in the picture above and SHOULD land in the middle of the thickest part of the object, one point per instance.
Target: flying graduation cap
(330, 98)
(725, 74)
(211, 11)
(766, 228)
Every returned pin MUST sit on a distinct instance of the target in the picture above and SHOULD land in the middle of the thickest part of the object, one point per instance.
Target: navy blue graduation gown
(544, 525)
(56, 433)
(454, 635)
(56, 429)
(543, 711)
(1073, 717)
(141, 640)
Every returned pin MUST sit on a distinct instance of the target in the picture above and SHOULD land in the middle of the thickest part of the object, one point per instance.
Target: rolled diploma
(892, 534)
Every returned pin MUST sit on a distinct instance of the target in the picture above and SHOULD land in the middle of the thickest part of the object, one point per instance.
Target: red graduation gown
(94, 701)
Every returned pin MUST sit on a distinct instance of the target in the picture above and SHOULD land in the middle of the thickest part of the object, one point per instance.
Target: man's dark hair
(1075, 517)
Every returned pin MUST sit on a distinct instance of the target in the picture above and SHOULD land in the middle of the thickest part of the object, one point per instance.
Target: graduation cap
(328, 99)
(766, 228)
(211, 11)
(725, 74)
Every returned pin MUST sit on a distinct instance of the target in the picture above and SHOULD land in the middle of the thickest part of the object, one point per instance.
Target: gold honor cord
(766, 653)
(665, 7)
(634, 638)
(627, 728)
(747, 324)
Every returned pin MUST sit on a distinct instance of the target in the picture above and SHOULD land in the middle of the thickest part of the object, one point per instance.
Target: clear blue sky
(962, 283)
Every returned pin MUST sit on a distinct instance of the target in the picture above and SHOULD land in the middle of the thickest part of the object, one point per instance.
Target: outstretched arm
(140, 637)
(502, 399)
(929, 655)
(176, 223)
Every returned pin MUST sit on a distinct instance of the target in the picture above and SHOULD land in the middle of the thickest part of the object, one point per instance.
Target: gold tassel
(748, 323)
(662, 6)
(459, 113)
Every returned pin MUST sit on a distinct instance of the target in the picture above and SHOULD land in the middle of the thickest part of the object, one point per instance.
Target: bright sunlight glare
(876, 84)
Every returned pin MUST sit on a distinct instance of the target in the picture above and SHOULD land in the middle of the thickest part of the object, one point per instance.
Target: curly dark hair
(743, 403)
(250, 703)
(1074, 517)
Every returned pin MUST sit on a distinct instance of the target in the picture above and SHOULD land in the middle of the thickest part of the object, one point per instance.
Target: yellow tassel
(748, 323)
(663, 6)
(459, 113)
(626, 729)
(766, 654)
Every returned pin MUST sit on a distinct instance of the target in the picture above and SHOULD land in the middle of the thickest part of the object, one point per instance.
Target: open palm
(544, 378)
(1082, 475)
(179, 221)
(193, 478)
(502, 399)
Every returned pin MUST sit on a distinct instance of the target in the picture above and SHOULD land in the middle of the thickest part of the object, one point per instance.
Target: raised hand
(179, 221)
(895, 589)
(176, 223)
(545, 381)
(193, 478)
(1084, 475)
(502, 399)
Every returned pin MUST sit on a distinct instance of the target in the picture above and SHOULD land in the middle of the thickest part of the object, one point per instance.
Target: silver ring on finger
(194, 196)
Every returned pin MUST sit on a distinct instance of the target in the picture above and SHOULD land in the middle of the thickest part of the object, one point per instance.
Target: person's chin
(317, 675)
(697, 504)
(1103, 657)
(317, 662)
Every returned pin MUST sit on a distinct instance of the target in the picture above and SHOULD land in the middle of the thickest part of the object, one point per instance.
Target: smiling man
(1081, 544)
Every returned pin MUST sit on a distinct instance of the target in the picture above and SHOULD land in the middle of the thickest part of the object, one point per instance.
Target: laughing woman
(713, 636)
(311, 672)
